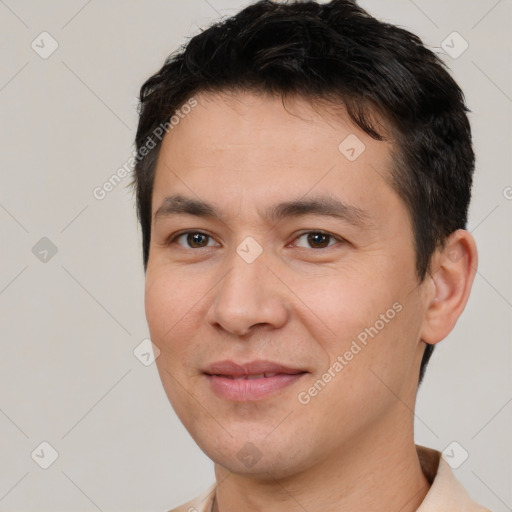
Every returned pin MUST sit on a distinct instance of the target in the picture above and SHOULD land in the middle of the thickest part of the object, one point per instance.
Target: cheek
(344, 303)
(368, 320)
(170, 297)
(158, 301)
(171, 305)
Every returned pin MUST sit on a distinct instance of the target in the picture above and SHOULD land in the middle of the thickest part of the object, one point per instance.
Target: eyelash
(173, 238)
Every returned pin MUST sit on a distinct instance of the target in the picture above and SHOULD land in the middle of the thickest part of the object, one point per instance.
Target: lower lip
(247, 390)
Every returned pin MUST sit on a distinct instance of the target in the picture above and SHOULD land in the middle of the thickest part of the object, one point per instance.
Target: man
(303, 183)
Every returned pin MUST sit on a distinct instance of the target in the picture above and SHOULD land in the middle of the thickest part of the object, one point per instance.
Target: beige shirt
(446, 494)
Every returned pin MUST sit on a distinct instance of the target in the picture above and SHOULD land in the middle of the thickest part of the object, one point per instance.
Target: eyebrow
(318, 205)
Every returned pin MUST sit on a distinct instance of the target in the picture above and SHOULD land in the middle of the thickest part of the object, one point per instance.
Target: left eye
(317, 239)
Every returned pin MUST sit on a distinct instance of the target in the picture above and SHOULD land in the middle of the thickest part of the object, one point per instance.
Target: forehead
(224, 119)
(247, 144)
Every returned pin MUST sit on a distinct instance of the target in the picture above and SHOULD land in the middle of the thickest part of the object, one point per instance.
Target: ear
(452, 273)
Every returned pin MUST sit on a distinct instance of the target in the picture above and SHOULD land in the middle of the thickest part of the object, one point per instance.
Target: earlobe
(453, 271)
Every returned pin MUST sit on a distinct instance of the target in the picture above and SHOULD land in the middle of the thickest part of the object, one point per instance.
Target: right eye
(194, 239)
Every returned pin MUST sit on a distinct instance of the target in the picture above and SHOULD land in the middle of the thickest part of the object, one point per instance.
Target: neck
(379, 472)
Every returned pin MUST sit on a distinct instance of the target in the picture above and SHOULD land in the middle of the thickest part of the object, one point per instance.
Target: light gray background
(70, 324)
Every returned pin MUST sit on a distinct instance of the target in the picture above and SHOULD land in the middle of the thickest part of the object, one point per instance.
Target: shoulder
(446, 492)
(201, 503)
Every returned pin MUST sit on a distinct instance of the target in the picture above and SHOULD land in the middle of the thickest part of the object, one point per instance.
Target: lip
(232, 369)
(242, 382)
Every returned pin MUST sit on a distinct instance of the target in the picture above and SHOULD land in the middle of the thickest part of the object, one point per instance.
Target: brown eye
(193, 240)
(317, 239)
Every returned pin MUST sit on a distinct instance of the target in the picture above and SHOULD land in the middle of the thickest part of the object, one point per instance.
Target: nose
(248, 296)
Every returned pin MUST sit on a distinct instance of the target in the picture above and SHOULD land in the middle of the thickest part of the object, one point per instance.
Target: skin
(351, 447)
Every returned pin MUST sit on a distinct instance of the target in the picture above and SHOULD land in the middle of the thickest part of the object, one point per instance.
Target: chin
(264, 469)
(253, 455)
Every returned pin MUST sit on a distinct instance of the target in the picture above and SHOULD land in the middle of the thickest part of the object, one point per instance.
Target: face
(287, 247)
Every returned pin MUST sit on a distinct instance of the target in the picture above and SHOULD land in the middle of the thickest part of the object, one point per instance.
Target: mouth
(251, 381)
(252, 376)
